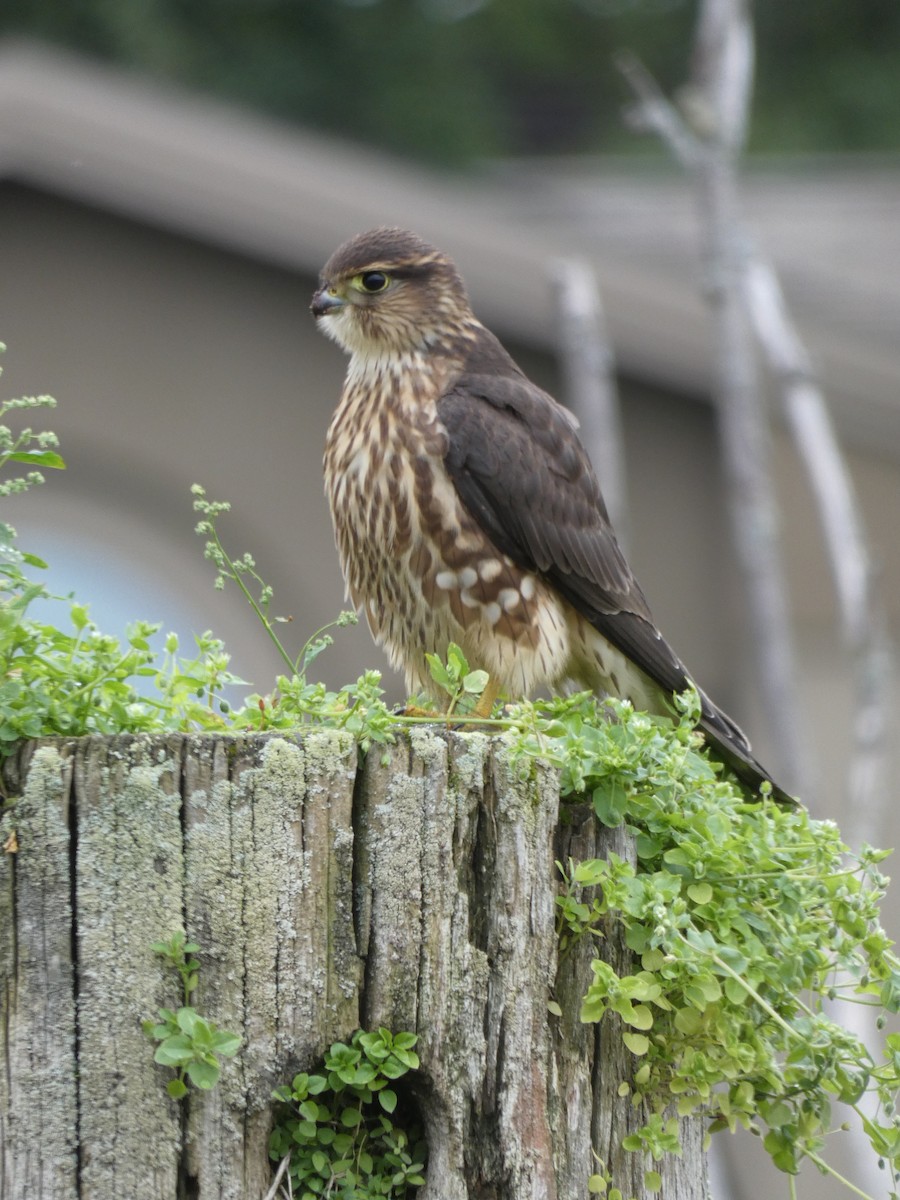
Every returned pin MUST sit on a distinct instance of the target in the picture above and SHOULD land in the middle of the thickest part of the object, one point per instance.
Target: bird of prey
(465, 507)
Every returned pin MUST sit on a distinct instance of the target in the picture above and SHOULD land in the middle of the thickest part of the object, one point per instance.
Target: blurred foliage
(455, 80)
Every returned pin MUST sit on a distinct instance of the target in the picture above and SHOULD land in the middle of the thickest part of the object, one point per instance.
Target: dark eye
(374, 281)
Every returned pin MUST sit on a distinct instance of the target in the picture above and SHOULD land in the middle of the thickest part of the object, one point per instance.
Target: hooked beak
(324, 302)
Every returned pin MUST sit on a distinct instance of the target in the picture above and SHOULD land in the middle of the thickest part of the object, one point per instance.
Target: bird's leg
(480, 712)
(485, 704)
(413, 710)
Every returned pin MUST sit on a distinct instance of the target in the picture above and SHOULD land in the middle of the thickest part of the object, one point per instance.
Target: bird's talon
(413, 710)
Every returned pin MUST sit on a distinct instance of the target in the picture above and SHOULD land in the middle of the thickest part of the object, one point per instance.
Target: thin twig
(723, 78)
(279, 1175)
(653, 113)
(814, 434)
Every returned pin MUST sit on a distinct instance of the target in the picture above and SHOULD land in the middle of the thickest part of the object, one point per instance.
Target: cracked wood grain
(416, 893)
(38, 1110)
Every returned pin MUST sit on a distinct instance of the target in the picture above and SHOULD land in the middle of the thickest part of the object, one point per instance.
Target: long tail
(731, 744)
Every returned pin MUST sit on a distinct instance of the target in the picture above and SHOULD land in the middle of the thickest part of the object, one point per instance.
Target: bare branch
(654, 113)
(863, 618)
(589, 374)
(722, 70)
(747, 454)
(816, 441)
(717, 104)
(742, 287)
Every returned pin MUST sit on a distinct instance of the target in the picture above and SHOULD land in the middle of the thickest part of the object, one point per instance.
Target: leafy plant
(463, 686)
(65, 676)
(189, 1044)
(338, 1128)
(358, 708)
(60, 675)
(27, 448)
(746, 919)
(258, 594)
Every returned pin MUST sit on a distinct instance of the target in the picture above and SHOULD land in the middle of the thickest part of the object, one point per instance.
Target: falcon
(465, 507)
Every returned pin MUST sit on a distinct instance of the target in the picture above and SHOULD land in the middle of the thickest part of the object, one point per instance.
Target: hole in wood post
(484, 854)
(348, 1123)
(188, 1184)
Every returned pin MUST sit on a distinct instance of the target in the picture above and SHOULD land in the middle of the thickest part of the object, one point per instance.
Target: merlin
(465, 507)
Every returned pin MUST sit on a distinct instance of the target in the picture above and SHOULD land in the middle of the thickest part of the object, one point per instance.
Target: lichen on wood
(416, 892)
(38, 1113)
(268, 896)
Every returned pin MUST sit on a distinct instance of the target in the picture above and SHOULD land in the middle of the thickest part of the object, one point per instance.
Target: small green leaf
(610, 800)
(33, 561)
(637, 1043)
(637, 1015)
(456, 660)
(475, 682)
(408, 1059)
(226, 1044)
(174, 1051)
(439, 672)
(688, 1021)
(190, 1021)
(176, 1089)
(39, 458)
(776, 1114)
(652, 960)
(734, 990)
(203, 1074)
(700, 893)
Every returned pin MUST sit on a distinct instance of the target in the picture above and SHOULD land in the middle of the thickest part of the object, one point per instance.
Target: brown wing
(520, 470)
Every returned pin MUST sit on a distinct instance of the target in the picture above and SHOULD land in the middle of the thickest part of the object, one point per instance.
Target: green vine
(746, 921)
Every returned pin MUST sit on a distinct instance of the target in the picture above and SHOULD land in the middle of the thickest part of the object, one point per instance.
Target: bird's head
(389, 292)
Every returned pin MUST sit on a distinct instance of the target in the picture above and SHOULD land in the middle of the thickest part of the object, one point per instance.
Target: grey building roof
(289, 196)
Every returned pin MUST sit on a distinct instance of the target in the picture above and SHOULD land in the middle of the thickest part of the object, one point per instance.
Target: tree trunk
(416, 893)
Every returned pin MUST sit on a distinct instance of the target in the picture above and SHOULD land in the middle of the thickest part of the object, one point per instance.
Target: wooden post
(415, 893)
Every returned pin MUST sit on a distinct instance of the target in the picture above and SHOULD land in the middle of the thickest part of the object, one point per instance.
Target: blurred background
(173, 173)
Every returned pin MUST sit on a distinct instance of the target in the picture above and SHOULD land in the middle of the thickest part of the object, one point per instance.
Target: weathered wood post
(416, 892)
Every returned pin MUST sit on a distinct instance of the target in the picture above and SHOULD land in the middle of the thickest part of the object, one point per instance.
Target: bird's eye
(374, 281)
